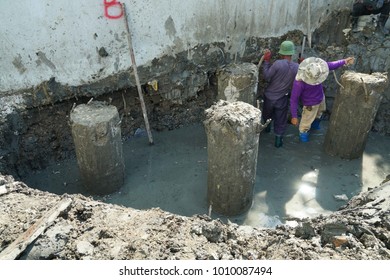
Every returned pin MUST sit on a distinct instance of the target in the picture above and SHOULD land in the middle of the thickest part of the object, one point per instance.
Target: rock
(84, 248)
(305, 231)
(341, 197)
(339, 241)
(331, 230)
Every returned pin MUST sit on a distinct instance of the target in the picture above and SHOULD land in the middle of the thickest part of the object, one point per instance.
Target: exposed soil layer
(35, 138)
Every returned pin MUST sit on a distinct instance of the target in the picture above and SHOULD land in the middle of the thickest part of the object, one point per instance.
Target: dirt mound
(41, 225)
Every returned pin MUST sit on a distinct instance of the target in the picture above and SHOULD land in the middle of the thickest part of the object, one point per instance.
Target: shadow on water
(297, 180)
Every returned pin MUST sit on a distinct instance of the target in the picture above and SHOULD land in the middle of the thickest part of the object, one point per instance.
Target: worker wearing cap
(280, 76)
(307, 88)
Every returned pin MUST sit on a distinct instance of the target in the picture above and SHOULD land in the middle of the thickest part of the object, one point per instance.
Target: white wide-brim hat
(313, 71)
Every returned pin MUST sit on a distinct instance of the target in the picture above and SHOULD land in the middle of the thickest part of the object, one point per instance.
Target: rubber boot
(304, 136)
(278, 141)
(315, 125)
(382, 24)
(354, 22)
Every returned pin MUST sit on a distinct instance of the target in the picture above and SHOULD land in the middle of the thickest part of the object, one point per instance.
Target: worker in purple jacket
(307, 88)
(280, 76)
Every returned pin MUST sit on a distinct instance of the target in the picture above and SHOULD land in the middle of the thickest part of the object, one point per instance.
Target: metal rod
(309, 23)
(136, 75)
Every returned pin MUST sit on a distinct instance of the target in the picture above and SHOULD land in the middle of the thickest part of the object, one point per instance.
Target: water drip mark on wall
(170, 27)
(43, 59)
(17, 62)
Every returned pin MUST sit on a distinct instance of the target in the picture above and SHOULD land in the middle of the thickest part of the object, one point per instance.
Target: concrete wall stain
(170, 27)
(17, 62)
(43, 59)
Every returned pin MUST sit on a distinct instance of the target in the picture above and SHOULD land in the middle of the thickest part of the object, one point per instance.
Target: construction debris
(94, 230)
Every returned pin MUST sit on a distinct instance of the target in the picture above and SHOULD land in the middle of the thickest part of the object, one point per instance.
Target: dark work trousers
(276, 110)
(359, 9)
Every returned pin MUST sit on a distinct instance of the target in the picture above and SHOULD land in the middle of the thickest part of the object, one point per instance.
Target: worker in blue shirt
(280, 76)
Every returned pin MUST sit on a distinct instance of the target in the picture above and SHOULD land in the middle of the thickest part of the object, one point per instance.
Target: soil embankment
(89, 229)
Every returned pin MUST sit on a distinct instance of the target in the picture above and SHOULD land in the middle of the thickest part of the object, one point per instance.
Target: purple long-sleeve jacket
(280, 76)
(308, 94)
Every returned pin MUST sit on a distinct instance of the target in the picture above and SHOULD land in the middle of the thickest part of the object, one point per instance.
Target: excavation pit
(296, 181)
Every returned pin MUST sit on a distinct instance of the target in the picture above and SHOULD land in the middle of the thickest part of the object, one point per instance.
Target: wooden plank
(21, 243)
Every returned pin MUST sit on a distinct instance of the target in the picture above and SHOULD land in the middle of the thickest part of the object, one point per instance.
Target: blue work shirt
(280, 76)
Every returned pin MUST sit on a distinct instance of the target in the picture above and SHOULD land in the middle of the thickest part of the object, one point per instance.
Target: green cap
(287, 48)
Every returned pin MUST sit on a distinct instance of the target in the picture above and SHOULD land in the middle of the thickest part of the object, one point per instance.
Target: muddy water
(297, 180)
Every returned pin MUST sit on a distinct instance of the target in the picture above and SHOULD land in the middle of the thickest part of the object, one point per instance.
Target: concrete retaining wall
(54, 50)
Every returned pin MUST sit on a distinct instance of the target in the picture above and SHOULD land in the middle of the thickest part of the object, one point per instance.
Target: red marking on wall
(112, 9)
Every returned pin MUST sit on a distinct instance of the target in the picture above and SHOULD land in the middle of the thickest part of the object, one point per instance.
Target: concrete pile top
(377, 78)
(238, 112)
(93, 113)
(241, 69)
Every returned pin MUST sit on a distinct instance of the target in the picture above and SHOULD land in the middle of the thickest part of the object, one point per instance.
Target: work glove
(300, 59)
(267, 55)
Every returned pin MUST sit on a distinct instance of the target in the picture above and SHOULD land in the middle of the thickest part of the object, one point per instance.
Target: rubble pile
(90, 229)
